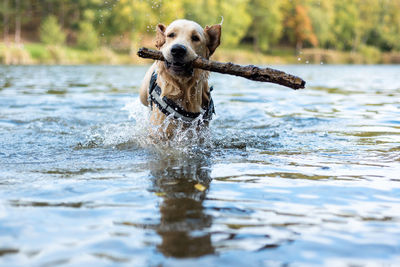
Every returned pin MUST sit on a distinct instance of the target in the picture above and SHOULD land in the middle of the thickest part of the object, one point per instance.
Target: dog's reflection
(183, 185)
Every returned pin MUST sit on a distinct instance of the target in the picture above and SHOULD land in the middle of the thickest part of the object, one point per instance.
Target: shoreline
(39, 54)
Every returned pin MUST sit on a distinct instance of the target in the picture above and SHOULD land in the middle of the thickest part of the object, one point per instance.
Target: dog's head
(182, 41)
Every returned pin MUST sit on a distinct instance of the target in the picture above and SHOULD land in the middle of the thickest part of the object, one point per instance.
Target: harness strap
(167, 106)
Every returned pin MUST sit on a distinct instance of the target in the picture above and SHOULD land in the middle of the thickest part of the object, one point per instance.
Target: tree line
(345, 25)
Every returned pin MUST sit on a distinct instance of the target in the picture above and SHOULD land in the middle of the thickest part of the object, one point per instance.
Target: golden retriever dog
(173, 88)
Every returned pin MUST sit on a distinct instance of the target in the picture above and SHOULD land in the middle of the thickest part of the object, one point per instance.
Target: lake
(283, 177)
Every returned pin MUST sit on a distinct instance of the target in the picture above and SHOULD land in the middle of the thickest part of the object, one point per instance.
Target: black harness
(168, 107)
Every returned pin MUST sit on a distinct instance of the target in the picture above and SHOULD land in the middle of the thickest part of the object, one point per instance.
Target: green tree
(87, 36)
(266, 26)
(51, 32)
(130, 17)
(388, 31)
(5, 12)
(322, 15)
(346, 25)
(168, 10)
(205, 12)
(236, 19)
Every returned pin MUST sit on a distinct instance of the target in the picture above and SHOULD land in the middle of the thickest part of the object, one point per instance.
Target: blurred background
(257, 31)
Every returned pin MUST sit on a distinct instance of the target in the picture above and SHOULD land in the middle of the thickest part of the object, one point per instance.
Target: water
(285, 177)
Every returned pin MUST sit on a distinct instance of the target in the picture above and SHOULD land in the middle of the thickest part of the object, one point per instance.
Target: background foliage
(362, 26)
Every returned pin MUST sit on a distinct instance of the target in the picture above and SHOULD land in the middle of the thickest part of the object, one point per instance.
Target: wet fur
(190, 92)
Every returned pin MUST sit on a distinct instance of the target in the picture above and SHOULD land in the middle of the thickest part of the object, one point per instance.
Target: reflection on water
(183, 184)
(283, 177)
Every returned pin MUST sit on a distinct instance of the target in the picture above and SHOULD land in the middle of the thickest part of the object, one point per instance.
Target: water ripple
(282, 177)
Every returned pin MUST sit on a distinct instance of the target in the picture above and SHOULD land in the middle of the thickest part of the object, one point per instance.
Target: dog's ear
(214, 37)
(160, 35)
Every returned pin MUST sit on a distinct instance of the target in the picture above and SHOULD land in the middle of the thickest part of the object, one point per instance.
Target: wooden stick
(249, 72)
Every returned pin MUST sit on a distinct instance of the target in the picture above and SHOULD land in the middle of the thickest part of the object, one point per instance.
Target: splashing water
(281, 177)
(141, 133)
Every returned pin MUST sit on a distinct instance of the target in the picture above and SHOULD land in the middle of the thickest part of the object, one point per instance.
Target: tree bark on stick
(249, 72)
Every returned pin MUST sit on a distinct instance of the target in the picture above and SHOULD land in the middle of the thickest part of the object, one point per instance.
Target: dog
(173, 88)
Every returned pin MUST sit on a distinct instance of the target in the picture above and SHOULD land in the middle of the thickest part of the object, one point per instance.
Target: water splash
(138, 132)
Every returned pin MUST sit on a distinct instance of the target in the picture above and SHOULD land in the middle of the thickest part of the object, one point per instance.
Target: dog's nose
(178, 50)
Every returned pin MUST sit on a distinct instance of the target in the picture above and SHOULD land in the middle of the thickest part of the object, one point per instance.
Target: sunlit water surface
(284, 177)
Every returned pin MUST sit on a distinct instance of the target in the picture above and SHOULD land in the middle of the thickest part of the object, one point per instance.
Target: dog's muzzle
(178, 65)
(178, 51)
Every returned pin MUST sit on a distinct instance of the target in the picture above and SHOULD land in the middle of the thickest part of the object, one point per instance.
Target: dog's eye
(195, 38)
(171, 35)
